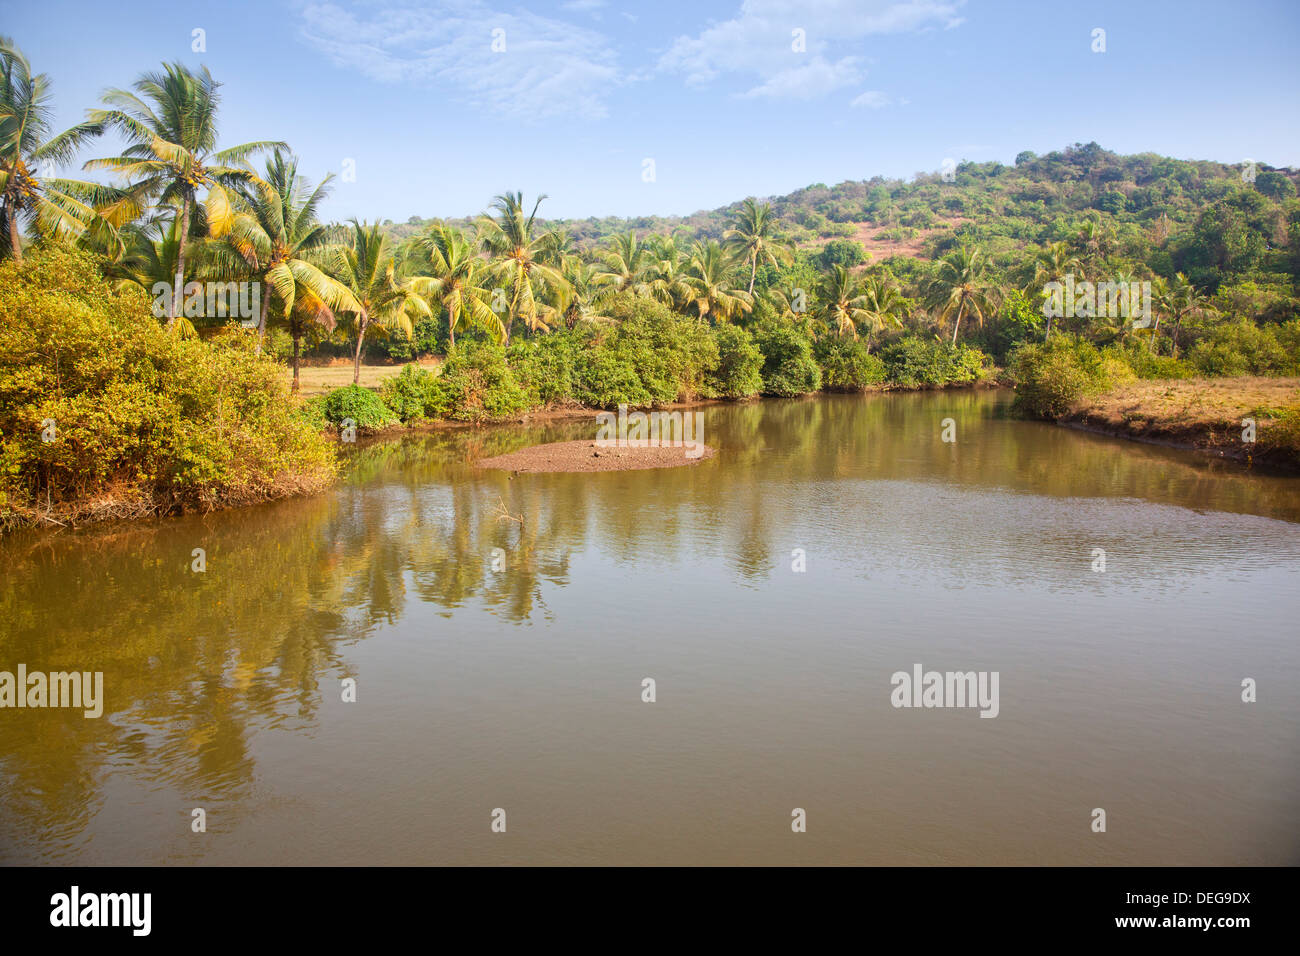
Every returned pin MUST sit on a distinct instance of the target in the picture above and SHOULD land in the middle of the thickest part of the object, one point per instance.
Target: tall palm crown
(882, 302)
(579, 301)
(666, 279)
(558, 247)
(456, 283)
(753, 234)
(624, 264)
(1178, 299)
(170, 124)
(1094, 240)
(365, 265)
(843, 303)
(278, 239)
(519, 252)
(47, 205)
(709, 277)
(961, 288)
(1052, 264)
(148, 259)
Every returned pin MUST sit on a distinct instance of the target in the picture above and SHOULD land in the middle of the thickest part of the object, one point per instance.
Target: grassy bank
(317, 380)
(1125, 391)
(1205, 414)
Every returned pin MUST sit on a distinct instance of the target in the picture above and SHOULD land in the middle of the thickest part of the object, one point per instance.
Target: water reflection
(199, 665)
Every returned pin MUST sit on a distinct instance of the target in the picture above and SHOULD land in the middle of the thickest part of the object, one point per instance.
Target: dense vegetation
(104, 413)
(931, 282)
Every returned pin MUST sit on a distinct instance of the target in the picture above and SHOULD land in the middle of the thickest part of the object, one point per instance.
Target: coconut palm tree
(28, 151)
(170, 124)
(366, 267)
(666, 280)
(753, 234)
(558, 247)
(882, 302)
(1116, 328)
(1178, 299)
(961, 288)
(148, 260)
(279, 241)
(579, 302)
(624, 264)
(526, 280)
(1052, 264)
(456, 282)
(1094, 240)
(841, 301)
(709, 277)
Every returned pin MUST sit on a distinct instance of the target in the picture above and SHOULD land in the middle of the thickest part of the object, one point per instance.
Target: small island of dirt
(588, 456)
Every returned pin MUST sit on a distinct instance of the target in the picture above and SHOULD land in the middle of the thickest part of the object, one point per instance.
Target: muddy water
(521, 688)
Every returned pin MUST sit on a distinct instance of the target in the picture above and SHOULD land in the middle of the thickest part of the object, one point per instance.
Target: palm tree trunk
(451, 332)
(297, 340)
(14, 243)
(1155, 330)
(956, 326)
(356, 359)
(753, 270)
(261, 322)
(178, 289)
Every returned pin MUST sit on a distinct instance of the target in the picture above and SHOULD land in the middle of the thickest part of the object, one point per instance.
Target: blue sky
(715, 93)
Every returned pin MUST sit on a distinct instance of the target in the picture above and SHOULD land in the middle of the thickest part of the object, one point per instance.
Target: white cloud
(872, 100)
(759, 40)
(549, 67)
(815, 78)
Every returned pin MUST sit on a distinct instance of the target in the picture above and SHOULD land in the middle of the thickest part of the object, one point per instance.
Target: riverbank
(575, 412)
(1213, 416)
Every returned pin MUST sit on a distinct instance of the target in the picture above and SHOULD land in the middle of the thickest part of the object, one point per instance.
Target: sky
(666, 107)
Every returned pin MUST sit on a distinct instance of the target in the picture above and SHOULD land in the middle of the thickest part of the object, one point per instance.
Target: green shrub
(1051, 376)
(312, 411)
(143, 420)
(844, 252)
(847, 364)
(788, 364)
(543, 366)
(1243, 348)
(913, 361)
(670, 352)
(739, 371)
(278, 344)
(604, 377)
(476, 385)
(411, 394)
(360, 405)
(1137, 356)
(652, 356)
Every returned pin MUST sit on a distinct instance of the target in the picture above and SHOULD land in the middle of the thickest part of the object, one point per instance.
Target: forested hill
(1205, 219)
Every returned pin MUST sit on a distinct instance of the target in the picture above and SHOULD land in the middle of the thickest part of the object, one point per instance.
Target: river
(770, 593)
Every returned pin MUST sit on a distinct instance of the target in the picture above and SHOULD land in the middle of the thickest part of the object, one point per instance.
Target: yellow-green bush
(1051, 376)
(141, 421)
